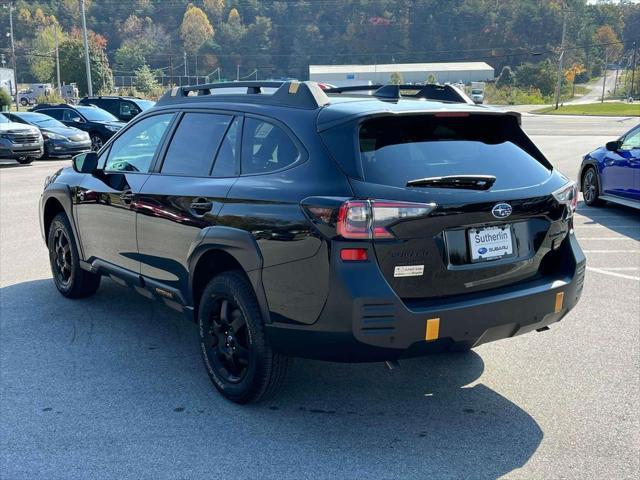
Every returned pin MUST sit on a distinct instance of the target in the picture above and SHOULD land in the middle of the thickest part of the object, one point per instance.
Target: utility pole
(13, 54)
(58, 61)
(171, 71)
(561, 59)
(604, 78)
(184, 56)
(86, 50)
(633, 71)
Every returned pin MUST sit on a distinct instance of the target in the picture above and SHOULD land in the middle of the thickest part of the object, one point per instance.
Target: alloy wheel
(226, 340)
(590, 187)
(63, 261)
(96, 143)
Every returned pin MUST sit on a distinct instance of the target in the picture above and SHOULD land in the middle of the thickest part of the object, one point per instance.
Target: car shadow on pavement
(618, 218)
(119, 379)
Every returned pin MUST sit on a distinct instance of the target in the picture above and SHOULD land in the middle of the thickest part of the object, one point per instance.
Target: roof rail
(440, 93)
(295, 94)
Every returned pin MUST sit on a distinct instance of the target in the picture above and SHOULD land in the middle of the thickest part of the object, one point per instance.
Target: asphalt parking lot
(114, 387)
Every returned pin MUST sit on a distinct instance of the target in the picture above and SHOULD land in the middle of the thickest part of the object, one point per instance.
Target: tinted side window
(266, 147)
(134, 149)
(227, 158)
(54, 113)
(195, 143)
(127, 109)
(69, 115)
(632, 140)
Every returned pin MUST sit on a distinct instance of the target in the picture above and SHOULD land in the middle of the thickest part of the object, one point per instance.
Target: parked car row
(65, 130)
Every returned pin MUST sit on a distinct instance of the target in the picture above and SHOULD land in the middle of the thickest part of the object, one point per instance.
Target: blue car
(612, 173)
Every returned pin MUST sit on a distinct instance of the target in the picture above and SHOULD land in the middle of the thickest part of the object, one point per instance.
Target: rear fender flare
(240, 245)
(62, 193)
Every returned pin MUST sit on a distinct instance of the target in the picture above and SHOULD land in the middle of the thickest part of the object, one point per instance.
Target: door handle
(201, 206)
(126, 196)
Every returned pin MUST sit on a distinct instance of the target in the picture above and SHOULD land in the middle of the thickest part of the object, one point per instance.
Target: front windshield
(94, 114)
(41, 120)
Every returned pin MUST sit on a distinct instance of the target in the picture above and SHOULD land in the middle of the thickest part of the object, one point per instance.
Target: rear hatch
(494, 219)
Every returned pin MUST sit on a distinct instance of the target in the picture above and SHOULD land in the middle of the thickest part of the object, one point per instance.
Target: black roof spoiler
(307, 95)
(440, 93)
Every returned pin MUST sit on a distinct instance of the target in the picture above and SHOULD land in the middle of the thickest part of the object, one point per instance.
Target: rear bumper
(364, 320)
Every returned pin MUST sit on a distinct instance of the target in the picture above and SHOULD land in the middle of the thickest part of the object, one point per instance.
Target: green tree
(42, 61)
(507, 78)
(72, 67)
(129, 57)
(145, 81)
(5, 99)
(195, 29)
(537, 75)
(396, 79)
(431, 79)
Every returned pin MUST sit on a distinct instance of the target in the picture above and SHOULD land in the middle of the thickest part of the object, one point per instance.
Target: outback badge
(501, 210)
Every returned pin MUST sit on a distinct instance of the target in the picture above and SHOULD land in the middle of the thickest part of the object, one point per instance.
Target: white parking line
(613, 274)
(610, 238)
(608, 226)
(611, 251)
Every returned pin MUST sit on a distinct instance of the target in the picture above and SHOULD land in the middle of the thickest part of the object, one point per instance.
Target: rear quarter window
(394, 150)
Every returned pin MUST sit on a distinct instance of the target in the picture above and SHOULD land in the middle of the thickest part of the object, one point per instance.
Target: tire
(236, 352)
(590, 188)
(97, 141)
(70, 280)
(25, 161)
(24, 102)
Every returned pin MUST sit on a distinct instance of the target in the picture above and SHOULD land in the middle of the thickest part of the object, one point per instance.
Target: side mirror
(613, 146)
(76, 120)
(85, 162)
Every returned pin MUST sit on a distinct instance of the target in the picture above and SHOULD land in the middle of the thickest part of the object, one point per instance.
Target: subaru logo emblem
(502, 210)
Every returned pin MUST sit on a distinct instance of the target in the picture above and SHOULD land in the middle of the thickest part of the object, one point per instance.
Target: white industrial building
(6, 80)
(452, 72)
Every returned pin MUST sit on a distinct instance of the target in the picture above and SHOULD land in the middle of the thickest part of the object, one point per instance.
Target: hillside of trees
(229, 38)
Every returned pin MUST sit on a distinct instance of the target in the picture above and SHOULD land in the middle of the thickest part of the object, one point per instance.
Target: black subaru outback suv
(288, 221)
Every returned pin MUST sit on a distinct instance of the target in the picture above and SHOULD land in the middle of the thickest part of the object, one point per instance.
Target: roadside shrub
(53, 97)
(5, 99)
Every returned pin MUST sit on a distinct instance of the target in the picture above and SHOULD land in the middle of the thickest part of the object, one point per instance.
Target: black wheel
(590, 189)
(235, 350)
(96, 142)
(24, 102)
(460, 347)
(25, 160)
(70, 280)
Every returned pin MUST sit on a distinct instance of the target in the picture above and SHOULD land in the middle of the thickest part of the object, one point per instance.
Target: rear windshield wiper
(470, 182)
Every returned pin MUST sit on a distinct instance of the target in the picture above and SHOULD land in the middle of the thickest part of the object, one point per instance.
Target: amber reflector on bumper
(433, 327)
(559, 301)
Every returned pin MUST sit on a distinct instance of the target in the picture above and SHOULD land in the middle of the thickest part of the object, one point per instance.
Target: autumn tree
(215, 9)
(195, 29)
(571, 73)
(611, 46)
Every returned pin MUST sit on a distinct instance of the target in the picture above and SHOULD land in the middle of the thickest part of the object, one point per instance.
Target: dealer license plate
(490, 243)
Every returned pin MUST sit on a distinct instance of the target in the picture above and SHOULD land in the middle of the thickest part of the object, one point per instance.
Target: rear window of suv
(394, 150)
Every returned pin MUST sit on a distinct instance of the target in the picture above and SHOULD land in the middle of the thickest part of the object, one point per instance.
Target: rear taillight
(371, 219)
(568, 195)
